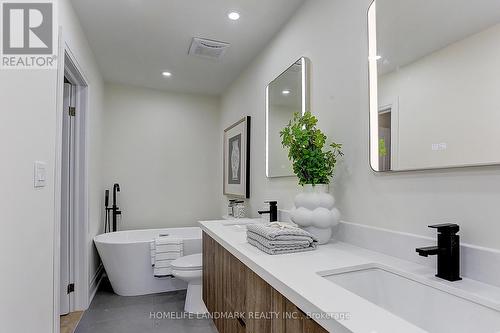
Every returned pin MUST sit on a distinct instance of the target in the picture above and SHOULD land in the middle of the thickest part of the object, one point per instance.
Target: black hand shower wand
(106, 204)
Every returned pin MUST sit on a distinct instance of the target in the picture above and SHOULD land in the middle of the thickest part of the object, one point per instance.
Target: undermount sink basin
(237, 227)
(240, 224)
(240, 221)
(423, 304)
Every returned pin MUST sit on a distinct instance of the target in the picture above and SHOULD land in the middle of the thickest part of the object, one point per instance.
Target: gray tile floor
(110, 313)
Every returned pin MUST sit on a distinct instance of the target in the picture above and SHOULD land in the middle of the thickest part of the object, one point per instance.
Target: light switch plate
(40, 174)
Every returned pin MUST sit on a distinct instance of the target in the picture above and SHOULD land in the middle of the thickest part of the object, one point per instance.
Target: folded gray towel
(282, 250)
(280, 238)
(281, 231)
(278, 243)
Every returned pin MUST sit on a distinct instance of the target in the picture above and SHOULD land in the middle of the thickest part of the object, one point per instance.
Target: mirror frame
(373, 87)
(374, 107)
(305, 102)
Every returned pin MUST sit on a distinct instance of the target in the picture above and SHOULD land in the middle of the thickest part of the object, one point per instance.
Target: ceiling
(134, 41)
(408, 30)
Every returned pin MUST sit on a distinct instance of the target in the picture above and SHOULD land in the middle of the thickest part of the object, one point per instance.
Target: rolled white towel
(162, 272)
(163, 263)
(162, 245)
(166, 250)
(164, 240)
(168, 255)
(159, 248)
(152, 252)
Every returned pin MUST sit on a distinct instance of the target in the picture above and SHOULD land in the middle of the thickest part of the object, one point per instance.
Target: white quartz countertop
(296, 277)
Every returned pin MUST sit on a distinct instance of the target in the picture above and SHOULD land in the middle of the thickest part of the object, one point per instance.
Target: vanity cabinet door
(233, 293)
(220, 305)
(300, 322)
(293, 324)
(209, 270)
(265, 306)
(310, 326)
(235, 290)
(224, 287)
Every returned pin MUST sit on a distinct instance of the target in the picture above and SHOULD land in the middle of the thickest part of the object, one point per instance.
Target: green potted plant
(313, 162)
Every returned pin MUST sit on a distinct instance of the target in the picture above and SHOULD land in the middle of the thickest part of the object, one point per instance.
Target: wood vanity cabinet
(224, 288)
(229, 287)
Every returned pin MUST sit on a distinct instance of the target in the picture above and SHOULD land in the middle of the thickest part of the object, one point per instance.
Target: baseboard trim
(95, 282)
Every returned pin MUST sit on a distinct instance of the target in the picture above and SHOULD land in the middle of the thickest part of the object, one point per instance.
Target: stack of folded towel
(164, 250)
(279, 238)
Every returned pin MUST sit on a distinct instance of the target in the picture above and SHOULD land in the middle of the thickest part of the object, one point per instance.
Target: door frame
(67, 200)
(69, 67)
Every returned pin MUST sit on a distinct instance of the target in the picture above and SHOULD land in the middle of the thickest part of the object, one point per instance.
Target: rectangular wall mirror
(434, 81)
(285, 95)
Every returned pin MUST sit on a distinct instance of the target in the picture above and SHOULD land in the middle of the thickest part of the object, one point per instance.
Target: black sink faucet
(114, 208)
(447, 251)
(273, 211)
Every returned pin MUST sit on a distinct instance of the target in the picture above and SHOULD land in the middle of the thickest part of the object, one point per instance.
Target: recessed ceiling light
(234, 16)
(285, 92)
(166, 74)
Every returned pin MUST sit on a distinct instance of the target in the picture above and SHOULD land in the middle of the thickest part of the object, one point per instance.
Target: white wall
(28, 133)
(449, 96)
(163, 150)
(333, 34)
(27, 127)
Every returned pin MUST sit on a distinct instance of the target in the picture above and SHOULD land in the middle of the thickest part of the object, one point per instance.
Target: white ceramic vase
(315, 211)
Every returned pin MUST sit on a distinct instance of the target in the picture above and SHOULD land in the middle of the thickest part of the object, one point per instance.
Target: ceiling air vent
(207, 48)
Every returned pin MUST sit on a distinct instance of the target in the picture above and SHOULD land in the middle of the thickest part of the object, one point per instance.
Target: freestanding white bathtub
(126, 258)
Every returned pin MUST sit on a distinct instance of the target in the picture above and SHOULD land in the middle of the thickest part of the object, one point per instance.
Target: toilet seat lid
(191, 262)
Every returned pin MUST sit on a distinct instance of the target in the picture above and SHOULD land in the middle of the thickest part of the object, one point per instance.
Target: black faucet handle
(272, 202)
(446, 228)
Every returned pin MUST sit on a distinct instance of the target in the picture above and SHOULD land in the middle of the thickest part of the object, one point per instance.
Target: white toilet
(189, 269)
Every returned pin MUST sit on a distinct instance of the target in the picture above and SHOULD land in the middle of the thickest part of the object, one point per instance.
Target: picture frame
(236, 147)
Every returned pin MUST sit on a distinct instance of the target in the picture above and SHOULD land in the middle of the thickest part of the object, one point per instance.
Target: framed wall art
(237, 159)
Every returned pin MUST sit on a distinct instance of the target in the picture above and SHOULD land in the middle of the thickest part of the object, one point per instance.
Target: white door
(385, 139)
(67, 198)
